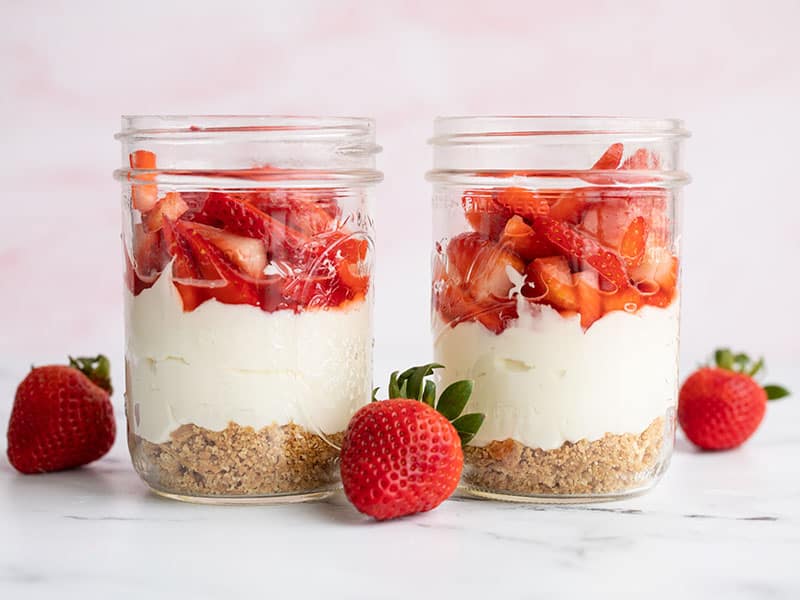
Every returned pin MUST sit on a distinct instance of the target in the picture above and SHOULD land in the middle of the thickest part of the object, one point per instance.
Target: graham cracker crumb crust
(613, 463)
(239, 461)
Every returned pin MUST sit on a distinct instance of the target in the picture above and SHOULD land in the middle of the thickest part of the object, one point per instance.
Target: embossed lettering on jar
(556, 288)
(248, 300)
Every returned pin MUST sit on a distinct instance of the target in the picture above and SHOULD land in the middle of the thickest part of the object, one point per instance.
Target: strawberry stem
(97, 369)
(775, 392)
(413, 383)
(741, 363)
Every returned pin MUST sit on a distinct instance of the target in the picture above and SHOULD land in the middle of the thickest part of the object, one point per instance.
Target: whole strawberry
(721, 407)
(62, 416)
(403, 456)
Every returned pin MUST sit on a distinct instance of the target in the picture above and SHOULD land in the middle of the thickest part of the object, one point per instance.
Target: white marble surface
(721, 525)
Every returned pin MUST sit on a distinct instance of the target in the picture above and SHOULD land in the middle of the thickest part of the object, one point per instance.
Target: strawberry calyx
(739, 362)
(413, 383)
(97, 369)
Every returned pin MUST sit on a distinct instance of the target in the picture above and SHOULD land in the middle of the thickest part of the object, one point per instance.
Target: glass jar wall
(556, 289)
(248, 300)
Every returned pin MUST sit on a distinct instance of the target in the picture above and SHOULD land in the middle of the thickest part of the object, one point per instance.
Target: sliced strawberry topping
(484, 213)
(588, 250)
(577, 246)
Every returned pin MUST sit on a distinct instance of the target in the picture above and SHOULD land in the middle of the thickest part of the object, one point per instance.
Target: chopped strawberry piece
(213, 265)
(523, 240)
(642, 159)
(462, 251)
(453, 302)
(317, 283)
(144, 195)
(485, 215)
(172, 206)
(246, 253)
(550, 280)
(456, 305)
(523, 202)
(634, 242)
(484, 267)
(610, 158)
(491, 278)
(609, 218)
(473, 284)
(495, 316)
(186, 275)
(150, 256)
(309, 211)
(568, 206)
(577, 246)
(133, 282)
(352, 265)
(609, 161)
(589, 298)
(313, 211)
(657, 279)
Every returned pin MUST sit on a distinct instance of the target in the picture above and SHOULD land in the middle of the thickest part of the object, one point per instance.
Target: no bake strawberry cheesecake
(249, 334)
(561, 303)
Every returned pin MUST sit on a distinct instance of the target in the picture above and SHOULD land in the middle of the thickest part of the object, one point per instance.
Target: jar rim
(258, 127)
(485, 128)
(344, 149)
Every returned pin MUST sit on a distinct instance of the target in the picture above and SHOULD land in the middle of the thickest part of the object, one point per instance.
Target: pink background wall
(69, 69)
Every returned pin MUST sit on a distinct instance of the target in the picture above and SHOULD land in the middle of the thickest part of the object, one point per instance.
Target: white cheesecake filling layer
(544, 381)
(223, 363)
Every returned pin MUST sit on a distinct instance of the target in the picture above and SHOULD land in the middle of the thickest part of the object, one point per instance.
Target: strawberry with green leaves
(404, 455)
(721, 406)
(62, 416)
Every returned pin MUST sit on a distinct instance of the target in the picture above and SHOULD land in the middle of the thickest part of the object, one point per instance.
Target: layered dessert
(249, 336)
(562, 306)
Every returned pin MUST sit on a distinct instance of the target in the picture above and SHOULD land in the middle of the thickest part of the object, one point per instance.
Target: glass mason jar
(248, 300)
(556, 289)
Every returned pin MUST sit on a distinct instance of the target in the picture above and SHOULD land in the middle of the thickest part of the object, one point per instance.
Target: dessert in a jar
(248, 300)
(556, 289)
